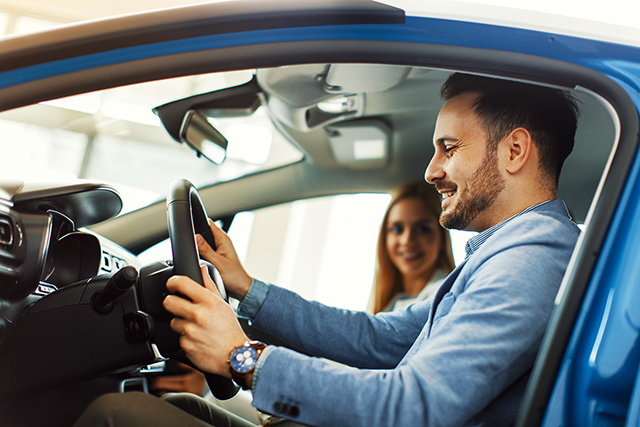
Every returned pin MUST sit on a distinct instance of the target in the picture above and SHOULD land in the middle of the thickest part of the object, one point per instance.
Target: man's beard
(478, 196)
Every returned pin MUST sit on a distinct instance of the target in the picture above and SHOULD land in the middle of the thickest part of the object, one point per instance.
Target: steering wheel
(186, 217)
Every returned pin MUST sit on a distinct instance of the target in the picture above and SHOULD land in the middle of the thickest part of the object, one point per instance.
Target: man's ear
(519, 146)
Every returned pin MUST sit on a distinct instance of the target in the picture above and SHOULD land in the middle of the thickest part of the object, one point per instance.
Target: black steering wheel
(186, 217)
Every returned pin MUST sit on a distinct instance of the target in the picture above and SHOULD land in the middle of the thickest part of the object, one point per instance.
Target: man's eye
(449, 151)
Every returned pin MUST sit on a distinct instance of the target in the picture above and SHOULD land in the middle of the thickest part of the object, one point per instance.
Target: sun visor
(363, 78)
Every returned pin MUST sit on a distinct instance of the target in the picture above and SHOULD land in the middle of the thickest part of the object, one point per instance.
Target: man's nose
(434, 171)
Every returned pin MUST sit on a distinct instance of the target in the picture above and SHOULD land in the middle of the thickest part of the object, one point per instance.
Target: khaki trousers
(134, 409)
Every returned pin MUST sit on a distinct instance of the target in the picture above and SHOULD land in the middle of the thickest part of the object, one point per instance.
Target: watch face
(243, 359)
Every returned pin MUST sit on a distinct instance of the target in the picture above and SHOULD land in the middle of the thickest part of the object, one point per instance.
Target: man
(459, 358)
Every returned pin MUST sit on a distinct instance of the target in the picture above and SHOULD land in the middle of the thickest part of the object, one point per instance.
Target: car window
(322, 248)
(113, 136)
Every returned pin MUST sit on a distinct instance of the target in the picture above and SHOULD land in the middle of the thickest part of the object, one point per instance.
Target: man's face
(464, 172)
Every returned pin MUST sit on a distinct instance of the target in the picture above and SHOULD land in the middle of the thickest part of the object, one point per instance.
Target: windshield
(112, 136)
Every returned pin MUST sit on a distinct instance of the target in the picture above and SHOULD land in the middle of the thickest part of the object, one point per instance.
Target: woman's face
(414, 239)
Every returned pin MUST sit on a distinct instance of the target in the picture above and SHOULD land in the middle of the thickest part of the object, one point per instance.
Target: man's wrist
(242, 362)
(243, 289)
(252, 302)
(249, 380)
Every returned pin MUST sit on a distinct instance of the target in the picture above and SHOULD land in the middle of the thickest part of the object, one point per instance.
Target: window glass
(323, 248)
(41, 154)
(113, 136)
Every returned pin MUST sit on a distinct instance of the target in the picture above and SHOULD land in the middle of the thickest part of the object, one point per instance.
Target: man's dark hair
(550, 115)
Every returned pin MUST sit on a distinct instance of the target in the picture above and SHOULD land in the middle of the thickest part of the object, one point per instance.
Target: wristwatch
(243, 361)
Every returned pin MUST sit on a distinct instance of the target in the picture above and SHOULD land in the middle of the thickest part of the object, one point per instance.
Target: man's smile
(447, 193)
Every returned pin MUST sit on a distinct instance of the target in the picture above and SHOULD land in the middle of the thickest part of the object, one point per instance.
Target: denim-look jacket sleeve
(382, 340)
(414, 368)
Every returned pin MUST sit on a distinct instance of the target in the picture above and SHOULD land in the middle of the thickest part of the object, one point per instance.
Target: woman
(414, 252)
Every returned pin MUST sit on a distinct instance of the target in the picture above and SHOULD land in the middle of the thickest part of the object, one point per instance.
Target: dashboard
(42, 242)
(57, 283)
(79, 315)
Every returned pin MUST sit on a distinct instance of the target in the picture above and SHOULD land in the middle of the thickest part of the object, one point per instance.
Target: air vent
(6, 234)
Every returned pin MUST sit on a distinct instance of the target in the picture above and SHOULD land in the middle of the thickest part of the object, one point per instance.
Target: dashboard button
(107, 262)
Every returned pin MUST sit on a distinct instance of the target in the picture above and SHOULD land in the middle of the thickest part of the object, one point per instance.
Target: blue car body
(588, 370)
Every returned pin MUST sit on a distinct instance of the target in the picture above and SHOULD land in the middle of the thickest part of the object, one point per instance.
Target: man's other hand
(208, 327)
(236, 280)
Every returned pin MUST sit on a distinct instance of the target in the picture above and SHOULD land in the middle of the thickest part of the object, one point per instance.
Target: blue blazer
(459, 358)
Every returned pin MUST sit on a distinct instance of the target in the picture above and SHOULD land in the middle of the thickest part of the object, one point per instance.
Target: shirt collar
(474, 243)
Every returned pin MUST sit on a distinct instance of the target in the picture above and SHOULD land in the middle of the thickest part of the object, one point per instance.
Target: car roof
(579, 19)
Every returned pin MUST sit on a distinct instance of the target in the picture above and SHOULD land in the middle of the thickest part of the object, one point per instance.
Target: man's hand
(208, 326)
(236, 280)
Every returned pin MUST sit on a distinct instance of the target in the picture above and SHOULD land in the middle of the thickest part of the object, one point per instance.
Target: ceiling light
(339, 105)
(369, 149)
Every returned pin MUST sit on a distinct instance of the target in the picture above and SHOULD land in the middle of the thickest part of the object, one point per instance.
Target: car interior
(76, 321)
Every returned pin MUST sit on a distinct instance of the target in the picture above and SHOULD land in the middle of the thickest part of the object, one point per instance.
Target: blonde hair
(388, 280)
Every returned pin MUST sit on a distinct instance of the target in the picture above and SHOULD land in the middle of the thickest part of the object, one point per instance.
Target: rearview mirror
(199, 134)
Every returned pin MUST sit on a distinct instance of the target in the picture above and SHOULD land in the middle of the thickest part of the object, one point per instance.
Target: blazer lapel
(443, 290)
